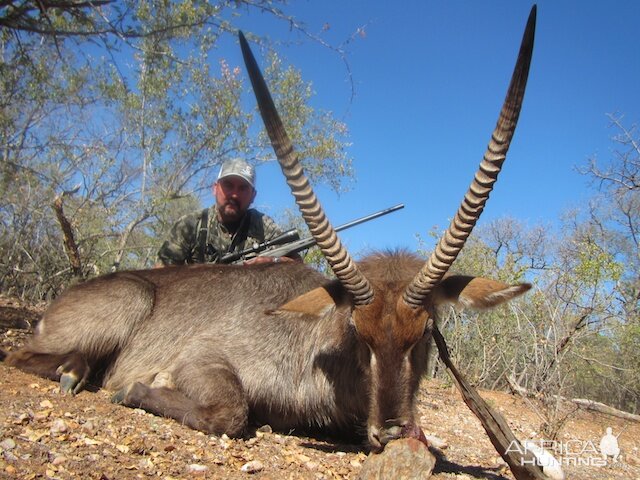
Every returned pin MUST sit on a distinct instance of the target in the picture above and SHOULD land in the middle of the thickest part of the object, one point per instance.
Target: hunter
(228, 226)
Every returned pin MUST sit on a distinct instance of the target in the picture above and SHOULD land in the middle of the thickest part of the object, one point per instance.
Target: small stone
(406, 458)
(8, 444)
(42, 415)
(108, 453)
(311, 465)
(550, 466)
(10, 469)
(197, 469)
(10, 457)
(265, 429)
(224, 443)
(58, 426)
(46, 404)
(59, 460)
(22, 419)
(254, 466)
(89, 426)
(437, 442)
(35, 435)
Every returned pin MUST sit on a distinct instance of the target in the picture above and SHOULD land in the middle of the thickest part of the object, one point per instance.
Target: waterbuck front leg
(206, 398)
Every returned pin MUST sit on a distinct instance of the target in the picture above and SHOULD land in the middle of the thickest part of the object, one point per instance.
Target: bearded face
(233, 198)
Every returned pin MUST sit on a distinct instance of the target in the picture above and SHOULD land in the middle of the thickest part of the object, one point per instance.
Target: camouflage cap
(239, 168)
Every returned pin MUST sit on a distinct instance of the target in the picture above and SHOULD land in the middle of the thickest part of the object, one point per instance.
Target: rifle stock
(289, 248)
(286, 238)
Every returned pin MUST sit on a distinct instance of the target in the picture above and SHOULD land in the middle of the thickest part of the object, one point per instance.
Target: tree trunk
(70, 245)
(606, 409)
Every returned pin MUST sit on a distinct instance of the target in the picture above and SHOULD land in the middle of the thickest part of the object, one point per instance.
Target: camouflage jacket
(184, 243)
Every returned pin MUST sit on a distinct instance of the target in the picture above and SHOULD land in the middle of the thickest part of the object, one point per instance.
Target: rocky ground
(44, 434)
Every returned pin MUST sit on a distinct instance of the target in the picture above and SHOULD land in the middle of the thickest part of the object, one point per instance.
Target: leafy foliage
(123, 106)
(576, 334)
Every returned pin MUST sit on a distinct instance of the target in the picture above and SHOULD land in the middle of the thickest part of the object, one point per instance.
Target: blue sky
(430, 78)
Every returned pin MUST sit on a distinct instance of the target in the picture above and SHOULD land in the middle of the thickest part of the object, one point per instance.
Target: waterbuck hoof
(119, 396)
(73, 374)
(125, 396)
(70, 383)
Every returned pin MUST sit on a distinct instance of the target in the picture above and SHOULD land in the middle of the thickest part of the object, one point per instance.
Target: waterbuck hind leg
(83, 330)
(71, 369)
(218, 407)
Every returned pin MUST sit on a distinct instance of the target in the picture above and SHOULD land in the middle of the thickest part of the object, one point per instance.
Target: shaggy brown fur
(215, 346)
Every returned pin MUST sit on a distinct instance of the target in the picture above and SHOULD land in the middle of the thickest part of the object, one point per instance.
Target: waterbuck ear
(476, 292)
(318, 301)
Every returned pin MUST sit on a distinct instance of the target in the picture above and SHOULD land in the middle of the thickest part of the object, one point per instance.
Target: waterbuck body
(205, 345)
(214, 346)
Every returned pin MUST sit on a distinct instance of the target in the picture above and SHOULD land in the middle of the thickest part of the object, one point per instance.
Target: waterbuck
(216, 347)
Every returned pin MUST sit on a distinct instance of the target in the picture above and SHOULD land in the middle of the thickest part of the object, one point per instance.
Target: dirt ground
(44, 434)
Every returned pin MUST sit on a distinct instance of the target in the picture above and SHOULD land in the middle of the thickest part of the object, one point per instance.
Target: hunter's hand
(265, 259)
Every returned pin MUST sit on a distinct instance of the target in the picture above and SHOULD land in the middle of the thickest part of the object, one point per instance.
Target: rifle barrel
(307, 242)
(358, 221)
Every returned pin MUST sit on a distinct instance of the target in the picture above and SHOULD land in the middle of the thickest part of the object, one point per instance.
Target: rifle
(291, 242)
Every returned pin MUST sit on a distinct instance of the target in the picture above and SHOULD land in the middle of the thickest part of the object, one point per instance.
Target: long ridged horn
(474, 201)
(337, 256)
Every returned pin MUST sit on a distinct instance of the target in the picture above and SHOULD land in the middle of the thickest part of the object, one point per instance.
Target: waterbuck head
(393, 296)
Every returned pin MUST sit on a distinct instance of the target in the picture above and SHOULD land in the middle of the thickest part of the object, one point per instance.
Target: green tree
(614, 219)
(539, 345)
(129, 108)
